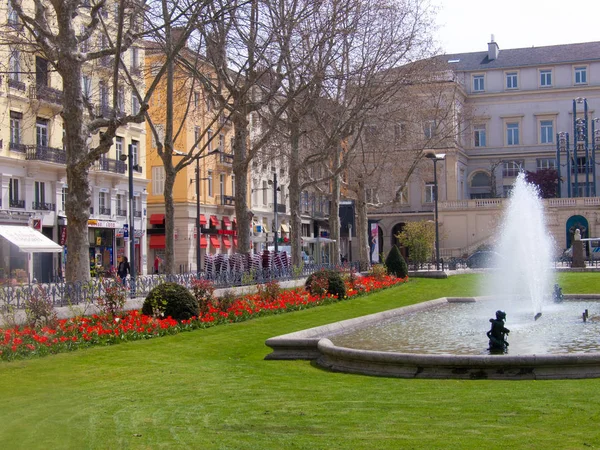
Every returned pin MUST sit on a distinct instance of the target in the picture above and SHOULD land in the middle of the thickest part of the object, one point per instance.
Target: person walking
(157, 262)
(123, 269)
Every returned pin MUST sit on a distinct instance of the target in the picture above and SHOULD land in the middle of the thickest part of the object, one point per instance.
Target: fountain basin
(316, 344)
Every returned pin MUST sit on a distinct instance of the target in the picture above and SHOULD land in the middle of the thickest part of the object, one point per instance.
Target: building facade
(517, 102)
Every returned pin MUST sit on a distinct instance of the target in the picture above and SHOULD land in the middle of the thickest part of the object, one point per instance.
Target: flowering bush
(81, 332)
(115, 295)
(269, 290)
(203, 291)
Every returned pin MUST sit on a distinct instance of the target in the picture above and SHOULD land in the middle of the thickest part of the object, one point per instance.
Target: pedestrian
(157, 262)
(123, 269)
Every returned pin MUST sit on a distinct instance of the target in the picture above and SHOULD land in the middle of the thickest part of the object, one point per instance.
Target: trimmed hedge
(395, 263)
(328, 281)
(171, 299)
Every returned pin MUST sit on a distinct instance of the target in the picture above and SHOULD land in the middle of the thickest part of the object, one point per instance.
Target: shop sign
(101, 223)
(63, 236)
(229, 232)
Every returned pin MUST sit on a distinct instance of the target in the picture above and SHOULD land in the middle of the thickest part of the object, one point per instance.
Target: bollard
(587, 314)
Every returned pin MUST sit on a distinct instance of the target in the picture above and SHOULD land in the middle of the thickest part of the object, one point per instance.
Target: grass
(212, 389)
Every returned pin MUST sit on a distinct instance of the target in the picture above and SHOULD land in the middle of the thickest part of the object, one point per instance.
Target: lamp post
(129, 159)
(435, 158)
(275, 231)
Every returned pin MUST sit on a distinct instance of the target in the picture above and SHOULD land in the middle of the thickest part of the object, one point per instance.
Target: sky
(467, 25)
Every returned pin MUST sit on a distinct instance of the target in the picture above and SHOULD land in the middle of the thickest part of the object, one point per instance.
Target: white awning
(29, 240)
(316, 240)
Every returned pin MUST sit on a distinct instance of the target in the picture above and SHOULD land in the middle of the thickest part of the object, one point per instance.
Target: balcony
(104, 211)
(46, 94)
(225, 158)
(49, 154)
(17, 203)
(15, 84)
(17, 147)
(110, 165)
(41, 206)
(226, 200)
(122, 212)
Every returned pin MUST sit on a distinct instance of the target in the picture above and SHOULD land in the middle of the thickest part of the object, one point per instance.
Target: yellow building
(193, 113)
(32, 155)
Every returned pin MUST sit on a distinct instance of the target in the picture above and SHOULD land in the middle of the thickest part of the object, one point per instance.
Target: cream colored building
(32, 157)
(518, 100)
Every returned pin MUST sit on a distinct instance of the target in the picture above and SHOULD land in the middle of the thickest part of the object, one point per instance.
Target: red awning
(226, 221)
(157, 241)
(235, 241)
(226, 241)
(214, 221)
(203, 243)
(202, 219)
(214, 242)
(157, 219)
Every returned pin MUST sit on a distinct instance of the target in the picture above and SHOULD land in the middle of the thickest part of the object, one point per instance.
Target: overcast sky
(466, 25)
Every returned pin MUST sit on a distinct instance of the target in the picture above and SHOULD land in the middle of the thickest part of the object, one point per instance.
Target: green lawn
(213, 389)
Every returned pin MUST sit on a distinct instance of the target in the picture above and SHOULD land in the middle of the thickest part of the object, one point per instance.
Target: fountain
(446, 338)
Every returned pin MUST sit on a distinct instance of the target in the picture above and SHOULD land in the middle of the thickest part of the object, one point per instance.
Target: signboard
(101, 223)
(37, 224)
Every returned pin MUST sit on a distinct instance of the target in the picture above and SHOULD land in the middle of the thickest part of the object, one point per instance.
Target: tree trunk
(170, 175)
(78, 200)
(294, 192)
(362, 232)
(334, 214)
(240, 169)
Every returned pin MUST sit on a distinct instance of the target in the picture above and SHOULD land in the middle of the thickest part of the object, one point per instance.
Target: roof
(520, 57)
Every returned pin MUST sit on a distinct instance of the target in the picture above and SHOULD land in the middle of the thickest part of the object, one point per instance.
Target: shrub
(171, 299)
(378, 271)
(269, 291)
(39, 309)
(112, 302)
(226, 300)
(395, 263)
(203, 291)
(323, 281)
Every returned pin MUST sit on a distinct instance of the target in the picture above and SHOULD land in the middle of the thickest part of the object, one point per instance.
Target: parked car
(483, 260)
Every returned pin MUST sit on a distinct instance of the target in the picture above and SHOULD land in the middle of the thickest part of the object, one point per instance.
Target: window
(221, 143)
(14, 66)
(63, 198)
(429, 129)
(208, 103)
(479, 136)
(546, 78)
(210, 183)
(546, 132)
(86, 87)
(546, 163)
(209, 141)
(39, 193)
(429, 192)
(103, 203)
(511, 80)
(15, 128)
(135, 60)
(580, 75)
(196, 99)
(579, 190)
(222, 185)
(581, 164)
(158, 180)
(478, 83)
(121, 100)
(119, 146)
(481, 180)
(41, 132)
(265, 192)
(403, 194)
(197, 135)
(512, 133)
(511, 168)
(135, 104)
(84, 45)
(13, 190)
(13, 17)
(398, 132)
(121, 208)
(134, 152)
(103, 96)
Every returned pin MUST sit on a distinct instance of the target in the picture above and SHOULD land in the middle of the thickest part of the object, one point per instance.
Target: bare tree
(60, 32)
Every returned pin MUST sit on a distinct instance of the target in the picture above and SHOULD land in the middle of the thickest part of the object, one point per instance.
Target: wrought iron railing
(227, 200)
(104, 211)
(41, 206)
(121, 212)
(137, 214)
(17, 147)
(42, 153)
(46, 93)
(16, 84)
(17, 203)
(67, 294)
(110, 165)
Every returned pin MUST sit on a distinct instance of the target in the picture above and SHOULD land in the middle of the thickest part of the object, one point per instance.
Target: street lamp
(198, 179)
(435, 158)
(129, 159)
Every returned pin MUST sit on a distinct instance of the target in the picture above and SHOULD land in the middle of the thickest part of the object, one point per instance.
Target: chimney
(493, 49)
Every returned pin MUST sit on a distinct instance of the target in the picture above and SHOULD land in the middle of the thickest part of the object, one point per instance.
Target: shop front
(103, 246)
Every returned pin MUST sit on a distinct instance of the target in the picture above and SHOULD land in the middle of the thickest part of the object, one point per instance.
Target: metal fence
(63, 293)
(462, 263)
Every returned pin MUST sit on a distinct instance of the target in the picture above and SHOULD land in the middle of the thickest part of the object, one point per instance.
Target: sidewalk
(64, 312)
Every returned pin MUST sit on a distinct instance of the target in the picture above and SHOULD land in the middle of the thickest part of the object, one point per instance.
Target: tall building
(195, 112)
(32, 156)
(516, 102)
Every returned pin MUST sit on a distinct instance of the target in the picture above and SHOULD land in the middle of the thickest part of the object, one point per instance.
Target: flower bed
(80, 332)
